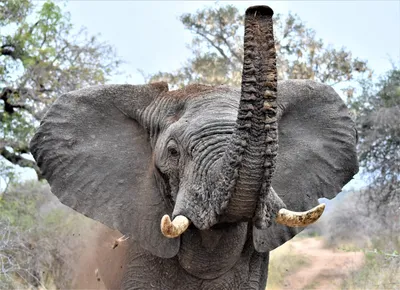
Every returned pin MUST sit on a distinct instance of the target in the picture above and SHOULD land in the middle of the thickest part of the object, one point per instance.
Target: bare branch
(220, 50)
(224, 40)
(17, 159)
(8, 49)
(5, 96)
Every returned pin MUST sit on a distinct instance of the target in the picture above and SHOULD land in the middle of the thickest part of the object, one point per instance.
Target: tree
(218, 52)
(377, 111)
(41, 58)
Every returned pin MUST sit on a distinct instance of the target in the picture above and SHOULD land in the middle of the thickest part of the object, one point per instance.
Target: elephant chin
(221, 247)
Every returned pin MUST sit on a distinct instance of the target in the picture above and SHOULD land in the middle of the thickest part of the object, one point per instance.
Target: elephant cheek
(219, 249)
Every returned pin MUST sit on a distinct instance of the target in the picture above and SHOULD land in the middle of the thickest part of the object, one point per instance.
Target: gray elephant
(131, 156)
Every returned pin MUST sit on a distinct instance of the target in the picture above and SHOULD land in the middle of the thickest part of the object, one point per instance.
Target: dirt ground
(327, 267)
(101, 264)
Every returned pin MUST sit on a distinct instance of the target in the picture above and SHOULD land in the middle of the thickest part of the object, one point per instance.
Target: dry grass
(380, 271)
(283, 262)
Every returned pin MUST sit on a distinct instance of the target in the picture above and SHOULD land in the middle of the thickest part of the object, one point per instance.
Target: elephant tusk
(299, 219)
(175, 228)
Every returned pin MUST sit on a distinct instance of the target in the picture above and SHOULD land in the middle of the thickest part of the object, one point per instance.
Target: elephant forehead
(207, 118)
(211, 107)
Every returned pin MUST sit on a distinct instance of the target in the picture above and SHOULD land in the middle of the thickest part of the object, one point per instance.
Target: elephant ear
(98, 160)
(317, 152)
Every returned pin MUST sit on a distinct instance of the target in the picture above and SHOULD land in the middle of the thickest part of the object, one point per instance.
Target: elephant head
(131, 155)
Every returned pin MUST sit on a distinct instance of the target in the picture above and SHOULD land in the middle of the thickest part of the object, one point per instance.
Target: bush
(354, 219)
(38, 239)
(380, 271)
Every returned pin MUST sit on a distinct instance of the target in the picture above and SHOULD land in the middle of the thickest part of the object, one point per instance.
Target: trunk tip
(259, 10)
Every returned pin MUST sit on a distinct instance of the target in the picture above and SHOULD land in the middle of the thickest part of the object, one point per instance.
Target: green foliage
(19, 211)
(41, 57)
(14, 11)
(217, 48)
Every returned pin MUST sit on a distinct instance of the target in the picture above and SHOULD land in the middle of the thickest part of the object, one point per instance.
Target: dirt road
(327, 267)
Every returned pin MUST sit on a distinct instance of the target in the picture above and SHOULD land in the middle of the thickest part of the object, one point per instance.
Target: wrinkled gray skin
(126, 155)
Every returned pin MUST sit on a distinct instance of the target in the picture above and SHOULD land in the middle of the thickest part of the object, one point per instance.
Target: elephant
(134, 156)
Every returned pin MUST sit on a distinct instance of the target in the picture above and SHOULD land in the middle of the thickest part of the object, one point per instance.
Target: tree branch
(5, 95)
(21, 161)
(226, 42)
(10, 50)
(220, 50)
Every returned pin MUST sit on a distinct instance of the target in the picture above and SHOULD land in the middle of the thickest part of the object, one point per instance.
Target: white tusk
(175, 228)
(299, 219)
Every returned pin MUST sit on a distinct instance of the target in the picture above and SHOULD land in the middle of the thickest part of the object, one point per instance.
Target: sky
(148, 35)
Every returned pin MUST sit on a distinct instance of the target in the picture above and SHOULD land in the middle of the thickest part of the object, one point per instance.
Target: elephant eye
(173, 152)
(173, 149)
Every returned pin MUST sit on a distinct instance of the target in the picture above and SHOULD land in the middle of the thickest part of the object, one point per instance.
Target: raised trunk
(241, 189)
(250, 158)
(239, 186)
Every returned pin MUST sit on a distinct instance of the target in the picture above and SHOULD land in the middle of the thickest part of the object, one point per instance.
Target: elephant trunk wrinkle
(250, 158)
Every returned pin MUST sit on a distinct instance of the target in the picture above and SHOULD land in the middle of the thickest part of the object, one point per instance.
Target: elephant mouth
(176, 227)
